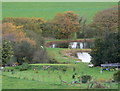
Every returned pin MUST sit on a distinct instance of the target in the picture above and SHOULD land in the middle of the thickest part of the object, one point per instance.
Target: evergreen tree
(7, 51)
(106, 50)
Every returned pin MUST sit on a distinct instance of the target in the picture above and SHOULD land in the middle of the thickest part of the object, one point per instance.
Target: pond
(73, 45)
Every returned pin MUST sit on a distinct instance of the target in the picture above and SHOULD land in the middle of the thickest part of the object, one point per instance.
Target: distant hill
(47, 10)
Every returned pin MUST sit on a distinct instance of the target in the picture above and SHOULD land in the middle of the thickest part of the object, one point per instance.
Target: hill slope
(47, 10)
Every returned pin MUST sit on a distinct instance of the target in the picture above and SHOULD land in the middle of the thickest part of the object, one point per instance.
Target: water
(73, 45)
(84, 56)
(80, 45)
(53, 46)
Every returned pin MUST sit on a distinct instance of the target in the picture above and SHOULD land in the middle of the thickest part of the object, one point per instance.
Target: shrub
(17, 67)
(36, 71)
(52, 61)
(117, 76)
(33, 79)
(99, 85)
(64, 68)
(23, 52)
(24, 66)
(86, 78)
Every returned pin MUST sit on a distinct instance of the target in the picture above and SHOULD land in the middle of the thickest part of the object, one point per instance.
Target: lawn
(47, 10)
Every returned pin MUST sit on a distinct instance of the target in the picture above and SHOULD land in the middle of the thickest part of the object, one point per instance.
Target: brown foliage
(107, 20)
(15, 33)
(66, 24)
(26, 23)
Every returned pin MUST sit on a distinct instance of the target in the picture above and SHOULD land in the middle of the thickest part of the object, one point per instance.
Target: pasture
(49, 78)
(47, 10)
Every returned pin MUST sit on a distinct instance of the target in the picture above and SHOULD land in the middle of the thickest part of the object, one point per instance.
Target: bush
(24, 66)
(117, 76)
(52, 61)
(86, 78)
(24, 52)
(99, 85)
(17, 67)
(64, 68)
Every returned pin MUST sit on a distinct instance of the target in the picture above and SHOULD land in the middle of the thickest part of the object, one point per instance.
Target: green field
(29, 84)
(47, 10)
(55, 53)
(50, 78)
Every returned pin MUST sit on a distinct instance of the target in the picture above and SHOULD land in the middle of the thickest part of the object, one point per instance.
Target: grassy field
(50, 78)
(28, 84)
(52, 64)
(47, 10)
(59, 55)
(54, 53)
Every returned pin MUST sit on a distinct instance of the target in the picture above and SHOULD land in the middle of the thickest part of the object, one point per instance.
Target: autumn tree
(107, 48)
(66, 25)
(25, 35)
(15, 33)
(31, 27)
(26, 44)
(30, 24)
(106, 20)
